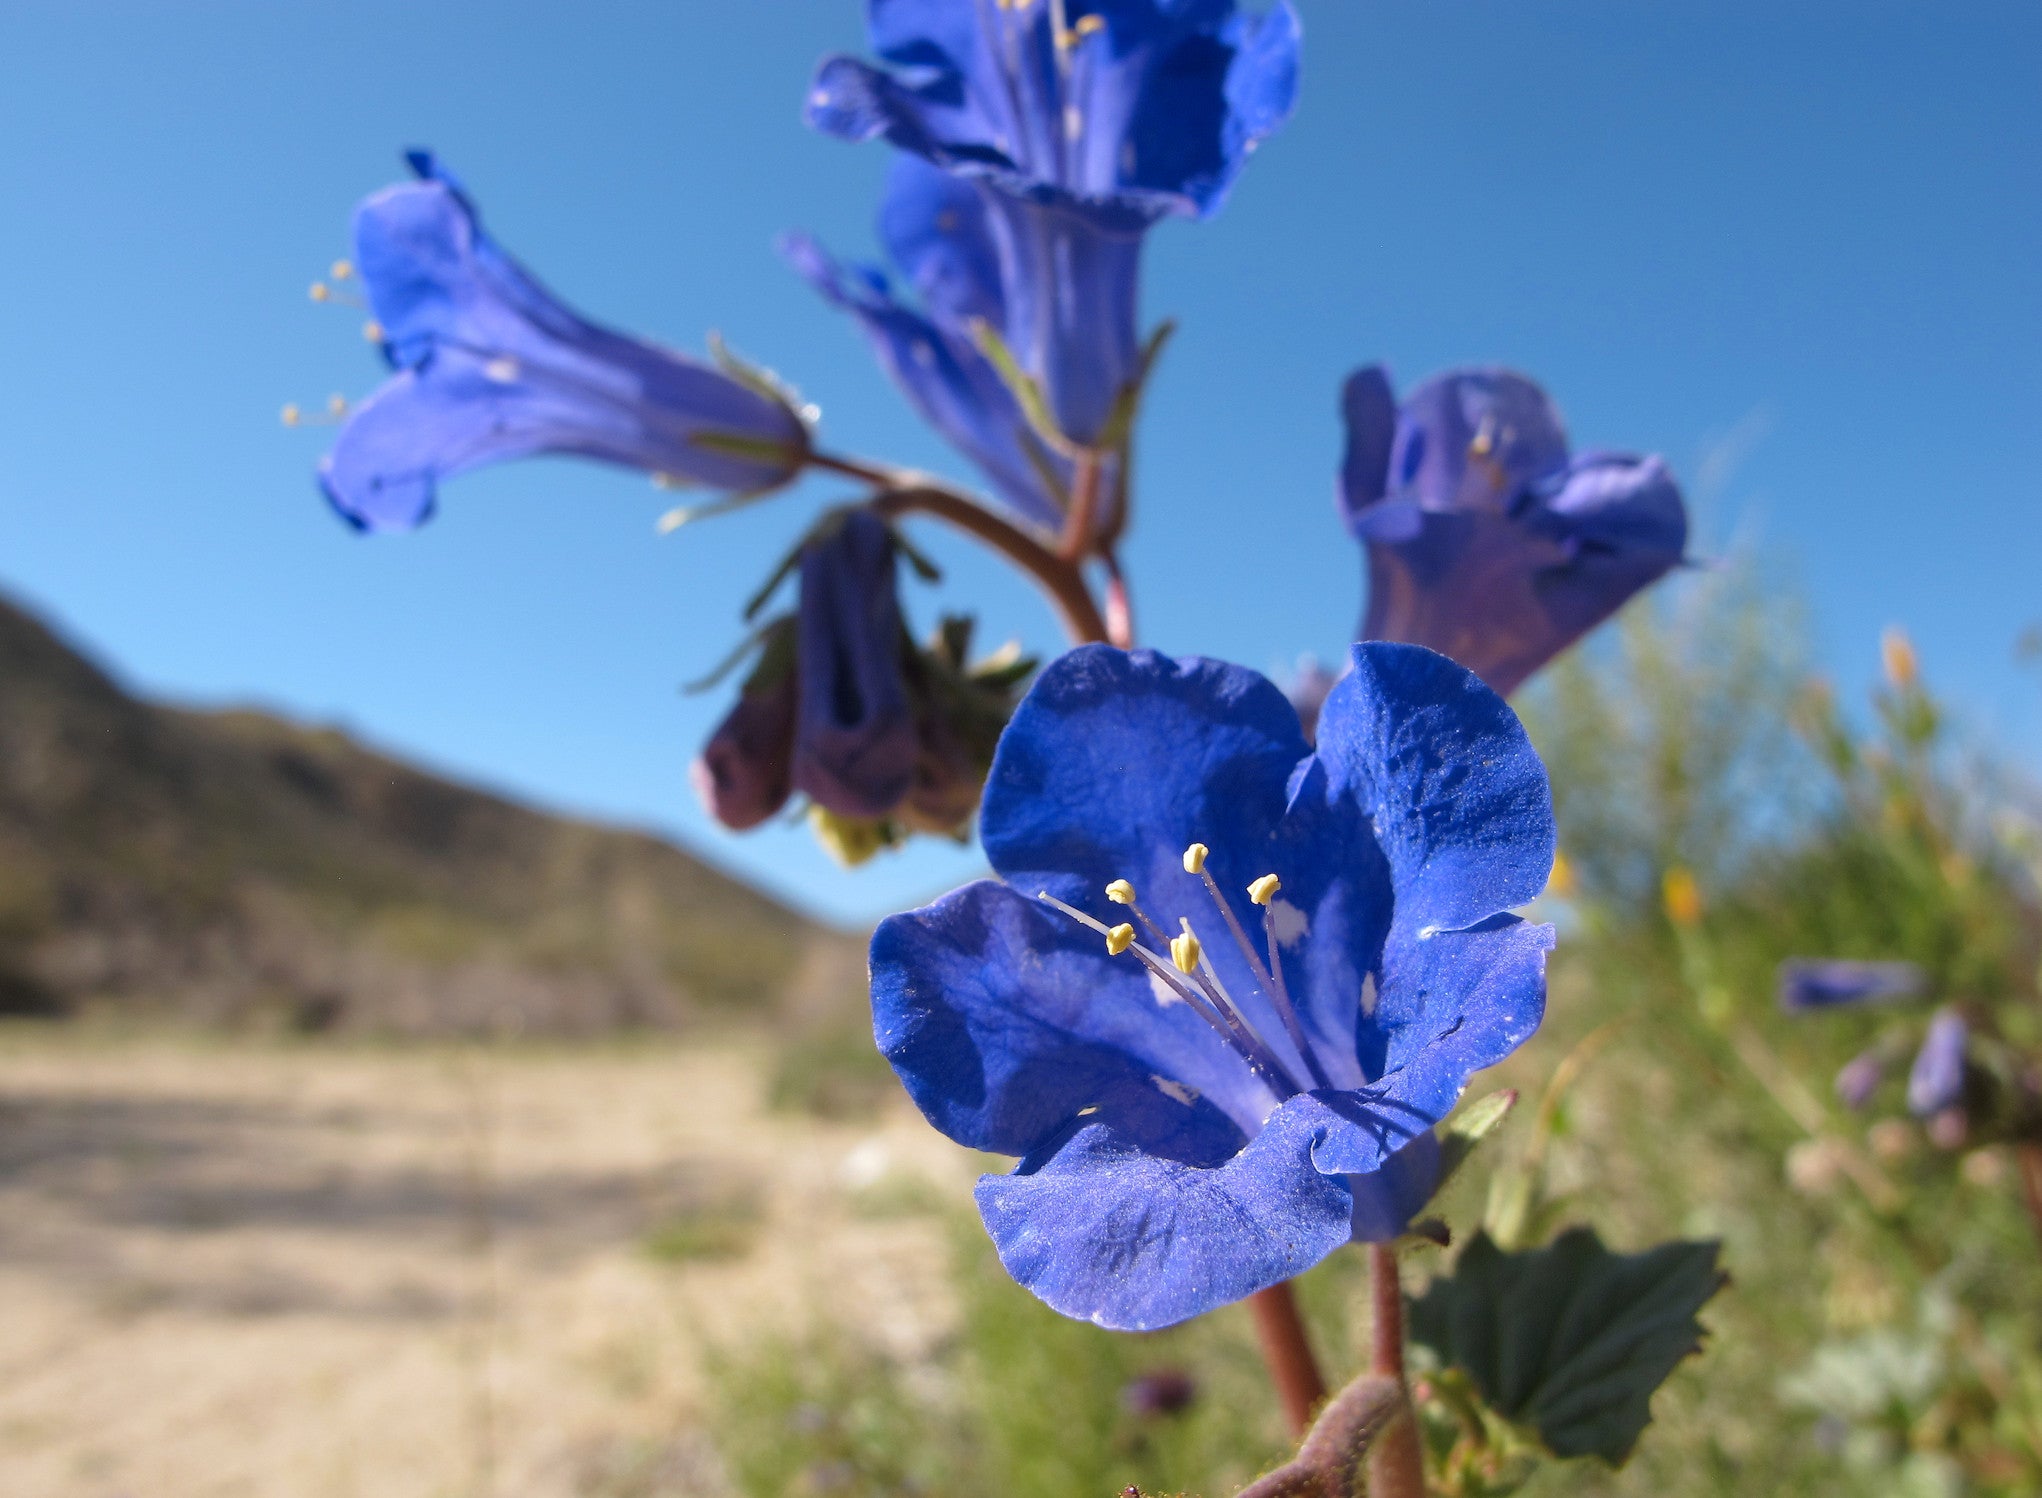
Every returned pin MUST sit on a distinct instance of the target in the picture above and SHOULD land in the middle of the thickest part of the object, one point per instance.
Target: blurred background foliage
(1721, 811)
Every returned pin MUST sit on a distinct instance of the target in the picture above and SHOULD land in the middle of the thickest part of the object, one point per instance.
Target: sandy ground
(286, 1271)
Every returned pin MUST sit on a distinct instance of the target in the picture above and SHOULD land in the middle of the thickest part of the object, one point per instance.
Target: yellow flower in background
(1897, 657)
(1683, 898)
(1561, 883)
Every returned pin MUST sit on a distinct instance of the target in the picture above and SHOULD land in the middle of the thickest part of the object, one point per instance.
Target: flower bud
(744, 773)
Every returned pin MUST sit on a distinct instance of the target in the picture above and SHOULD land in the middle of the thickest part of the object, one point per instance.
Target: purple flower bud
(1860, 1078)
(1823, 983)
(855, 745)
(1936, 1082)
(745, 772)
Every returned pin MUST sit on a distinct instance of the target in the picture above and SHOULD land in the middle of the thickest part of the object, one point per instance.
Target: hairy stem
(1396, 1465)
(915, 494)
(1292, 1368)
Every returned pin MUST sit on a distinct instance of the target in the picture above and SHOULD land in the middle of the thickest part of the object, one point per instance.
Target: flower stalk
(1396, 1464)
(1288, 1352)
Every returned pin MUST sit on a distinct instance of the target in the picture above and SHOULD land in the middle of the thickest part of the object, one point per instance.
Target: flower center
(1013, 39)
(1189, 974)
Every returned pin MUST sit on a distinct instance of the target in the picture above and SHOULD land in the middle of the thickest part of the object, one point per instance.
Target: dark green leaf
(1571, 1339)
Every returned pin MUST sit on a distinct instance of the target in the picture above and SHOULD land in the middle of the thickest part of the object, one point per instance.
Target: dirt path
(349, 1273)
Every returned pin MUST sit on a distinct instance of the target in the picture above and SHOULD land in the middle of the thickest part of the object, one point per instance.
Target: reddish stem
(1119, 606)
(2030, 1157)
(1084, 510)
(1396, 1464)
(1288, 1352)
(912, 494)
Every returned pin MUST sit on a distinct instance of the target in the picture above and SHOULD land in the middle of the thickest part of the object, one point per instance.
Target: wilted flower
(1860, 1077)
(1828, 983)
(1159, 1392)
(1083, 124)
(489, 365)
(1936, 1082)
(1486, 540)
(934, 228)
(881, 735)
(1199, 1114)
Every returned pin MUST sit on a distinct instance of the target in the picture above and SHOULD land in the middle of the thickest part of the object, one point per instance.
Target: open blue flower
(1086, 121)
(1486, 540)
(934, 228)
(1200, 1112)
(489, 365)
(1935, 1083)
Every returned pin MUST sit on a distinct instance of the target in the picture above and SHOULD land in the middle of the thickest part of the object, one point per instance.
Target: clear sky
(1795, 247)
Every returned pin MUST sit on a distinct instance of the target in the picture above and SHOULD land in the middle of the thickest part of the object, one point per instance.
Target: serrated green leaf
(1570, 1339)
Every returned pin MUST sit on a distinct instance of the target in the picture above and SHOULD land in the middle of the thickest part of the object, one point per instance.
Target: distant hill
(235, 867)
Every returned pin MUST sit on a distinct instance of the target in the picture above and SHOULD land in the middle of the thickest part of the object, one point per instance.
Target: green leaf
(1571, 1339)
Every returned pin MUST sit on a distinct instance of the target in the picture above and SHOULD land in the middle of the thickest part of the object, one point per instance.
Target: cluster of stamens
(336, 290)
(1188, 973)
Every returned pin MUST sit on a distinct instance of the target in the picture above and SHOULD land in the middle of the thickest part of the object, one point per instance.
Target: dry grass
(302, 1271)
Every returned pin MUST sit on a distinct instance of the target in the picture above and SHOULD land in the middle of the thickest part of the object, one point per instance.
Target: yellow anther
(342, 269)
(1896, 654)
(373, 331)
(1263, 890)
(1184, 953)
(1119, 939)
(292, 415)
(1483, 445)
(320, 291)
(1194, 858)
(1120, 892)
(337, 404)
(1084, 26)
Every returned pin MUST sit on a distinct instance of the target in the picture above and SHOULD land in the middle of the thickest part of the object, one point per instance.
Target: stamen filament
(1216, 992)
(1269, 974)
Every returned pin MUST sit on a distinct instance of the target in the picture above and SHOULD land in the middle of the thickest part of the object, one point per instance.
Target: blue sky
(1793, 247)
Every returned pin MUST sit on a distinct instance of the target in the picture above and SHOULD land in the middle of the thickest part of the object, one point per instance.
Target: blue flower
(1830, 983)
(1200, 1112)
(1858, 1078)
(934, 229)
(1085, 121)
(489, 366)
(1486, 540)
(1935, 1084)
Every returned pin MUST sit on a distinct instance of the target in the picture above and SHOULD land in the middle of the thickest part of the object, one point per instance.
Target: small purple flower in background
(1083, 124)
(1829, 983)
(1486, 540)
(1860, 1077)
(490, 366)
(1201, 1113)
(934, 229)
(1935, 1084)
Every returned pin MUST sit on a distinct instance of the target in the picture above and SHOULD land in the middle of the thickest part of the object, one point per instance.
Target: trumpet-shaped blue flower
(489, 365)
(1486, 540)
(1225, 984)
(1085, 121)
(1833, 983)
(934, 228)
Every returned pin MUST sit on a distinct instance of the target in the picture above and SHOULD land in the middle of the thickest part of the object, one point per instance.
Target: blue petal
(934, 227)
(1385, 1202)
(1806, 983)
(1116, 761)
(1004, 1019)
(1448, 418)
(948, 381)
(1443, 771)
(1369, 410)
(1105, 1229)
(855, 744)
